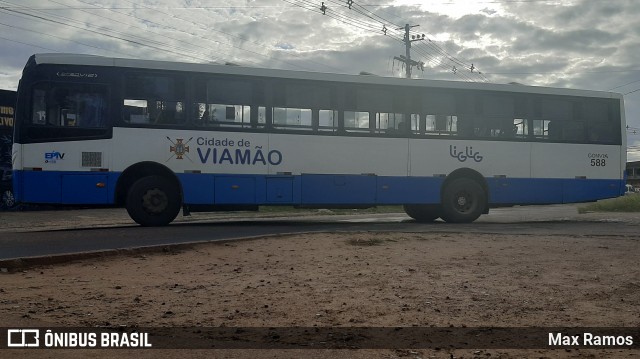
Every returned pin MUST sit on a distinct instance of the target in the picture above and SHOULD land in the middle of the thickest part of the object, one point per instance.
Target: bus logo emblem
(463, 155)
(53, 157)
(179, 148)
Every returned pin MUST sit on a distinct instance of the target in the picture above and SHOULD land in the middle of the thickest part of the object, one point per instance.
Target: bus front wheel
(463, 201)
(422, 213)
(153, 201)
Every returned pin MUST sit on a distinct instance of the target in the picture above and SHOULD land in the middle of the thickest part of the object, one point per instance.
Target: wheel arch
(472, 175)
(139, 170)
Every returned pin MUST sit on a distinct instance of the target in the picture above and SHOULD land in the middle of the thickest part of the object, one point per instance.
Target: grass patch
(628, 203)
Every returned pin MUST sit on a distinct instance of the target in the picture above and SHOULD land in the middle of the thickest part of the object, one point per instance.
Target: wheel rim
(8, 199)
(155, 201)
(464, 202)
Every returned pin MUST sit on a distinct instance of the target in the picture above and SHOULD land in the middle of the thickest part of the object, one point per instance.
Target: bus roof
(93, 60)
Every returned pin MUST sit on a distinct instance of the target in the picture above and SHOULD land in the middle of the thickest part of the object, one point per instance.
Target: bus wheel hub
(155, 201)
(462, 201)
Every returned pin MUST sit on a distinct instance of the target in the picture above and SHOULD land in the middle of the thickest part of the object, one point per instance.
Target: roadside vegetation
(628, 203)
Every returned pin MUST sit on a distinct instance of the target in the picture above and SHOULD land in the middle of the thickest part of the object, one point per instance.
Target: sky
(585, 44)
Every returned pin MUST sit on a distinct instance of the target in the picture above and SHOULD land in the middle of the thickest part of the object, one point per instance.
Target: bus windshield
(67, 110)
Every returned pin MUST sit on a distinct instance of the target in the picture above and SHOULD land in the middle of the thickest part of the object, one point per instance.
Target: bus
(7, 107)
(156, 137)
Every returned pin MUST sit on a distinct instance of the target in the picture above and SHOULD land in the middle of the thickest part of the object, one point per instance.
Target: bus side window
(217, 115)
(440, 124)
(327, 120)
(390, 123)
(541, 129)
(292, 118)
(446, 124)
(154, 100)
(439, 112)
(598, 115)
(136, 111)
(520, 127)
(498, 127)
(465, 126)
(417, 126)
(356, 121)
(221, 102)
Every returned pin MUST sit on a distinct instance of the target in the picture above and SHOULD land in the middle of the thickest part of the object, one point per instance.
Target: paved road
(33, 234)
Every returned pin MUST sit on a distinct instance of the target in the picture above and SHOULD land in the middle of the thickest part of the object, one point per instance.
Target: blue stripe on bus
(64, 187)
(308, 189)
(550, 191)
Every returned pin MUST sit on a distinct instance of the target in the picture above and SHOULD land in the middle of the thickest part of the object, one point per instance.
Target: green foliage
(628, 203)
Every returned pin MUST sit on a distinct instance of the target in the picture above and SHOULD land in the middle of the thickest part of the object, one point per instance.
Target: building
(633, 173)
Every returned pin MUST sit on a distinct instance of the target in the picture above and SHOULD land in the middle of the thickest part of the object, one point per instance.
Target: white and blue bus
(157, 136)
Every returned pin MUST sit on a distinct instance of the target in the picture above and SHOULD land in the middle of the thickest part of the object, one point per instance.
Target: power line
(377, 24)
(208, 28)
(351, 5)
(164, 35)
(629, 83)
(370, 23)
(57, 37)
(132, 38)
(630, 92)
(115, 34)
(28, 44)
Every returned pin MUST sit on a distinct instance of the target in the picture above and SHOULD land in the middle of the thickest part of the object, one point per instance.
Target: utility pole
(407, 44)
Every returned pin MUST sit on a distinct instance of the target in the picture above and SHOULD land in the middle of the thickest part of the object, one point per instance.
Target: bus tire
(422, 212)
(463, 201)
(153, 201)
(8, 200)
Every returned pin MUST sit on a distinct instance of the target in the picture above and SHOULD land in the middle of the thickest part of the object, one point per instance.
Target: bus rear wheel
(463, 201)
(8, 200)
(153, 201)
(422, 212)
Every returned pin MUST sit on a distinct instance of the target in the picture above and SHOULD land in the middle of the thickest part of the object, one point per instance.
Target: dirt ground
(358, 279)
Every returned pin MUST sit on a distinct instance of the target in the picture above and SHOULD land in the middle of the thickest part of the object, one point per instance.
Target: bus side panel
(431, 157)
(41, 186)
(309, 189)
(84, 188)
(279, 189)
(589, 172)
(338, 189)
(550, 190)
(524, 190)
(575, 161)
(197, 188)
(235, 190)
(409, 190)
(18, 187)
(63, 187)
(586, 190)
(340, 155)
